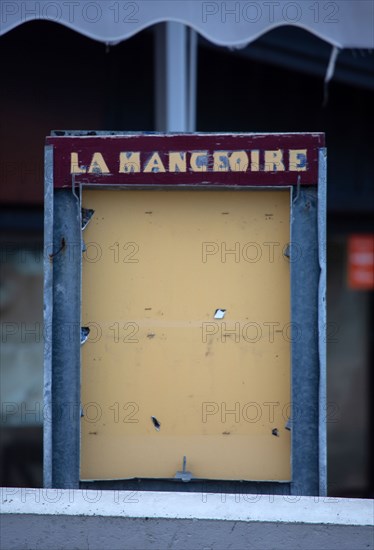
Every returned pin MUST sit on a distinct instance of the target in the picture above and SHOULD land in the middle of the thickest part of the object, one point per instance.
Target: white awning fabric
(342, 23)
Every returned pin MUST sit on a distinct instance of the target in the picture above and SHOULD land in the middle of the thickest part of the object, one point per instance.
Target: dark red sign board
(186, 159)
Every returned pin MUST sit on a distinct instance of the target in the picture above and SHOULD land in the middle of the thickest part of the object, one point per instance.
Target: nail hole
(62, 247)
(275, 432)
(156, 423)
(151, 335)
(219, 313)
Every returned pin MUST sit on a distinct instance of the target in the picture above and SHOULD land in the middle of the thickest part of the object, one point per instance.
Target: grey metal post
(322, 248)
(305, 273)
(66, 259)
(48, 315)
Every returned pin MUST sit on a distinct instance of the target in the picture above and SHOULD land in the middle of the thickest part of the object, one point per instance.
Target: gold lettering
(297, 160)
(255, 161)
(129, 162)
(177, 162)
(154, 164)
(220, 161)
(74, 165)
(199, 161)
(98, 164)
(274, 161)
(238, 161)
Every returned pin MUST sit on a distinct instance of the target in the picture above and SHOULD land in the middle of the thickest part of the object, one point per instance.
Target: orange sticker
(361, 262)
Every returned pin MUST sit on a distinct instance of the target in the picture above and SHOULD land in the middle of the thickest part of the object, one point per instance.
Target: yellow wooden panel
(158, 266)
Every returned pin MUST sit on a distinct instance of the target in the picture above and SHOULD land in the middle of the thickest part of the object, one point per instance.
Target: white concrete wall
(102, 520)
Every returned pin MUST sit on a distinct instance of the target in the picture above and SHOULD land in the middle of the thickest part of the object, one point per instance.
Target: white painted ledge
(187, 506)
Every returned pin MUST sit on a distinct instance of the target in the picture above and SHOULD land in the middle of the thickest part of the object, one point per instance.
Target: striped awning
(342, 23)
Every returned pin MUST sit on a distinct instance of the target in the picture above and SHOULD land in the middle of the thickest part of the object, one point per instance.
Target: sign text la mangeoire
(278, 160)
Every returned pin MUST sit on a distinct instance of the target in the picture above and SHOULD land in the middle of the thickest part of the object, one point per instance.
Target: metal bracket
(184, 475)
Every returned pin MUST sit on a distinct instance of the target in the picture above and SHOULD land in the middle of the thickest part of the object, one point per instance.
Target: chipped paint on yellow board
(158, 266)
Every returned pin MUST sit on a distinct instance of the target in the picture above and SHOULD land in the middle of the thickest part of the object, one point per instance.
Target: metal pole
(192, 80)
(175, 77)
